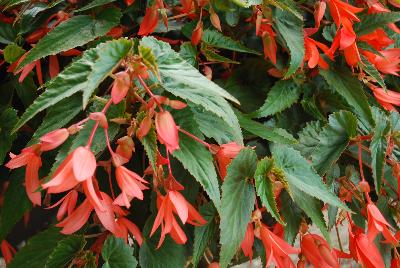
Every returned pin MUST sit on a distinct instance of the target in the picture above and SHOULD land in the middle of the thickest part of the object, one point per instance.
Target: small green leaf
(342, 81)
(333, 140)
(148, 58)
(300, 175)
(265, 189)
(65, 251)
(378, 146)
(188, 52)
(72, 33)
(370, 69)
(204, 233)
(12, 52)
(83, 75)
(238, 198)
(93, 4)
(281, 96)
(150, 146)
(277, 135)
(117, 254)
(292, 215)
(371, 22)
(286, 5)
(217, 39)
(16, 203)
(308, 138)
(38, 249)
(8, 117)
(212, 56)
(7, 33)
(291, 29)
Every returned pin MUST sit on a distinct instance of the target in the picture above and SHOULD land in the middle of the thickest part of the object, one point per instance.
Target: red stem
(150, 93)
(195, 138)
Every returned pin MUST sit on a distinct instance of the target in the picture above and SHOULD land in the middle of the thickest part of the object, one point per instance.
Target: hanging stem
(195, 138)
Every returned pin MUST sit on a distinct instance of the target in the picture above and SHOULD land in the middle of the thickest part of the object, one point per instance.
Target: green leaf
(308, 138)
(150, 146)
(333, 140)
(265, 189)
(72, 33)
(38, 249)
(277, 135)
(93, 4)
(286, 5)
(196, 159)
(300, 175)
(16, 203)
(58, 116)
(212, 56)
(237, 203)
(370, 69)
(217, 39)
(8, 117)
(65, 251)
(204, 233)
(188, 52)
(371, 22)
(12, 52)
(281, 96)
(292, 215)
(342, 81)
(7, 33)
(182, 80)
(378, 146)
(117, 254)
(83, 75)
(291, 29)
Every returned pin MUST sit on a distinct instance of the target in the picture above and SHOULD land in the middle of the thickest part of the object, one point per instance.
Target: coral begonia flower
(224, 156)
(120, 86)
(126, 226)
(131, 185)
(377, 224)
(107, 215)
(318, 252)
(197, 33)
(341, 10)
(53, 139)
(7, 251)
(386, 98)
(77, 219)
(388, 62)
(378, 39)
(30, 158)
(150, 21)
(276, 249)
(248, 241)
(79, 166)
(167, 131)
(68, 203)
(269, 43)
(174, 203)
(312, 54)
(26, 69)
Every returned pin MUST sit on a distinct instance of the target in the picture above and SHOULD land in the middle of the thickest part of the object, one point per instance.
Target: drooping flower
(197, 33)
(120, 87)
(312, 55)
(224, 156)
(319, 12)
(248, 241)
(269, 43)
(388, 62)
(54, 67)
(125, 147)
(341, 11)
(79, 166)
(378, 224)
(29, 157)
(388, 99)
(131, 185)
(53, 139)
(174, 203)
(107, 215)
(150, 21)
(77, 219)
(167, 130)
(276, 249)
(7, 251)
(68, 203)
(126, 226)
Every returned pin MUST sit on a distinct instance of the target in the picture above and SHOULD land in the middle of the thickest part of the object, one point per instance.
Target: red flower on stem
(167, 130)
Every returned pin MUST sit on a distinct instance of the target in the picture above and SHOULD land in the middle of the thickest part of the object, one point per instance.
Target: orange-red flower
(150, 21)
(248, 241)
(77, 219)
(120, 86)
(377, 224)
(53, 139)
(341, 11)
(68, 203)
(388, 62)
(167, 131)
(126, 226)
(174, 203)
(29, 157)
(388, 99)
(311, 51)
(225, 154)
(197, 33)
(7, 251)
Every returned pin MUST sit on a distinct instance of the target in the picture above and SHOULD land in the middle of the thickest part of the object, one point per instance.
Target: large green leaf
(342, 81)
(83, 75)
(290, 28)
(72, 33)
(265, 189)
(93, 4)
(238, 198)
(196, 158)
(217, 39)
(38, 249)
(277, 135)
(301, 177)
(286, 5)
(65, 251)
(371, 22)
(378, 146)
(204, 233)
(333, 140)
(181, 79)
(8, 117)
(16, 203)
(281, 96)
(308, 138)
(117, 254)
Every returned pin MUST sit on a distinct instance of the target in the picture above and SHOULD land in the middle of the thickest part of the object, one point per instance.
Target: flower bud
(364, 186)
(100, 118)
(120, 87)
(167, 130)
(53, 139)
